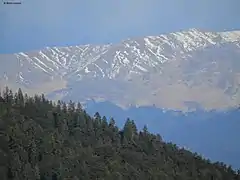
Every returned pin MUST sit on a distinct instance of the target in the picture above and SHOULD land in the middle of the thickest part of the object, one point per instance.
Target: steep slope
(40, 141)
(188, 62)
(212, 134)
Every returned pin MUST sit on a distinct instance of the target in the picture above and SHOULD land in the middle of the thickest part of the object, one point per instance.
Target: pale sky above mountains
(39, 23)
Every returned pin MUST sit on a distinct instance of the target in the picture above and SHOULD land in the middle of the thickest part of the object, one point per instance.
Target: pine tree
(20, 98)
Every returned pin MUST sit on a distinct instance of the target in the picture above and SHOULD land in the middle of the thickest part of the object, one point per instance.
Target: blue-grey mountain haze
(212, 134)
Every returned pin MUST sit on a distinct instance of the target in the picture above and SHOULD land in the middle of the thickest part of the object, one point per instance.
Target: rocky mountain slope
(179, 70)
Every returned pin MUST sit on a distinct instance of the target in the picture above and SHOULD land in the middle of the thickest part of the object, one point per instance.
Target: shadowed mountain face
(172, 71)
(213, 134)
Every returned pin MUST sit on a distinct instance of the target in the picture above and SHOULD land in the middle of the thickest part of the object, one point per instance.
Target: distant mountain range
(178, 71)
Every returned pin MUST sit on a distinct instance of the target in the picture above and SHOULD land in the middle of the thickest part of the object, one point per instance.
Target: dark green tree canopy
(43, 141)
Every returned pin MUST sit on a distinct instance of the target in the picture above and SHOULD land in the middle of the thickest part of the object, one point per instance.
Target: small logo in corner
(8, 2)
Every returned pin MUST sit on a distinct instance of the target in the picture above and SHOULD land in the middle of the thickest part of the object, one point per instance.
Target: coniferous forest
(43, 140)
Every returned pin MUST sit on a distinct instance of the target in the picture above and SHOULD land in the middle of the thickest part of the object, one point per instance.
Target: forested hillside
(40, 140)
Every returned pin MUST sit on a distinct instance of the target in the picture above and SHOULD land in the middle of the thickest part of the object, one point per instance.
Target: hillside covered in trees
(41, 140)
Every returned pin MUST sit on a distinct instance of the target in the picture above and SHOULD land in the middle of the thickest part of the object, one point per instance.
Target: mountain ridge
(154, 66)
(228, 35)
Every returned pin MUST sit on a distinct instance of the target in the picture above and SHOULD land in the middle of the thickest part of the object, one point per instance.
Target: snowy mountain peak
(189, 61)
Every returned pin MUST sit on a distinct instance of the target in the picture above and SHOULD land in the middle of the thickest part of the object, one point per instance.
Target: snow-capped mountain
(170, 70)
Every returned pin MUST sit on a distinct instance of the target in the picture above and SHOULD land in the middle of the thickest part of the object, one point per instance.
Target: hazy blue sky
(38, 23)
